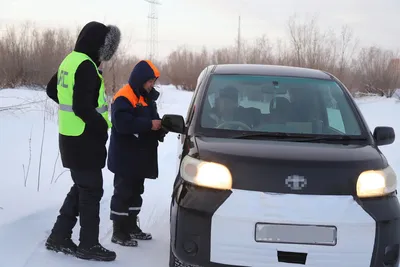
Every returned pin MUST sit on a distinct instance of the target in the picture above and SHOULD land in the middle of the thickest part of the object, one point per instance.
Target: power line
(152, 30)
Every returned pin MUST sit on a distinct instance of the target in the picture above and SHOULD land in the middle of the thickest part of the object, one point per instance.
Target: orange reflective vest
(128, 93)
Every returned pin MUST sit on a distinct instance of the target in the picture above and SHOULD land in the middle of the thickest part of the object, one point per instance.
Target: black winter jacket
(87, 151)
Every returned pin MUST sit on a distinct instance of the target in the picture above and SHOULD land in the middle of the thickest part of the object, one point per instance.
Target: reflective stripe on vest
(69, 123)
(69, 108)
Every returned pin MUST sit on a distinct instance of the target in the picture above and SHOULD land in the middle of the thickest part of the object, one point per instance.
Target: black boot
(96, 252)
(136, 232)
(121, 234)
(63, 245)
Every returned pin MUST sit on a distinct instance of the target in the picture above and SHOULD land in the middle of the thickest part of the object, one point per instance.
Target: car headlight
(376, 183)
(206, 174)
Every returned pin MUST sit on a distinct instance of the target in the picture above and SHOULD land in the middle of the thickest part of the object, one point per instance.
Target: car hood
(264, 165)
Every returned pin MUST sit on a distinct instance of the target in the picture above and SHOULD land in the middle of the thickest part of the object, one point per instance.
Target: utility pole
(239, 45)
(152, 30)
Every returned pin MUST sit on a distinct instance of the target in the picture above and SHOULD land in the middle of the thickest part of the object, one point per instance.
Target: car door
(189, 116)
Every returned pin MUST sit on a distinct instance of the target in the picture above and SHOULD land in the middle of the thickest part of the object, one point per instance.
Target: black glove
(161, 134)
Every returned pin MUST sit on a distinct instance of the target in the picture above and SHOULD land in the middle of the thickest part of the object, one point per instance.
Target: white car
(277, 167)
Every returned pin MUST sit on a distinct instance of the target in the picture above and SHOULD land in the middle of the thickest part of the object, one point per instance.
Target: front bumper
(214, 228)
(191, 213)
(386, 214)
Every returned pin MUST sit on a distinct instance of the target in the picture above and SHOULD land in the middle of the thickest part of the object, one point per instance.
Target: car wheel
(174, 262)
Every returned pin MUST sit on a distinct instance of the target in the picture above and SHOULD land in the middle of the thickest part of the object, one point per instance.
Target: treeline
(29, 57)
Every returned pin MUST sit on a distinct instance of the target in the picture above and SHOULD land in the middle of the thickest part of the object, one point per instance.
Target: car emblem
(296, 182)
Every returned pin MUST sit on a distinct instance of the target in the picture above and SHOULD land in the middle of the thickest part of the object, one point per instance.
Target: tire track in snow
(26, 237)
(24, 233)
(154, 217)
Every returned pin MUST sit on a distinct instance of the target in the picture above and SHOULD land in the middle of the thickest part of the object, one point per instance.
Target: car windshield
(272, 104)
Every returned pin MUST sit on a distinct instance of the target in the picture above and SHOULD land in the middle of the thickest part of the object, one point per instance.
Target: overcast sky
(212, 23)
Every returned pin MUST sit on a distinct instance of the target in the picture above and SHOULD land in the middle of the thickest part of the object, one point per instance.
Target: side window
(190, 108)
(190, 112)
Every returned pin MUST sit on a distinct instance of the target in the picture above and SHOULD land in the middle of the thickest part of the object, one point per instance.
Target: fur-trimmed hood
(98, 41)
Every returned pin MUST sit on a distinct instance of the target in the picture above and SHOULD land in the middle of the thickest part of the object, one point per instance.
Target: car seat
(280, 109)
(251, 116)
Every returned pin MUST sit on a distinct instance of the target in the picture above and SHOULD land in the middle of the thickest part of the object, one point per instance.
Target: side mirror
(173, 123)
(384, 135)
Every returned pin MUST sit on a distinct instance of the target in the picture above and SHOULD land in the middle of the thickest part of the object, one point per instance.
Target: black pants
(83, 200)
(127, 199)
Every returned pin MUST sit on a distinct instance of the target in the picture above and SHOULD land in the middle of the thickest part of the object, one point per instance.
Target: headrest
(279, 104)
(229, 92)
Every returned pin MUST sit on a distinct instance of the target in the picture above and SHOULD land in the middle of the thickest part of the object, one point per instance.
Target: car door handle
(179, 136)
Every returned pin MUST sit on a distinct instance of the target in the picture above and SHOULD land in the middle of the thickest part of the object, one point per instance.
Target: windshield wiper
(334, 138)
(277, 135)
(300, 138)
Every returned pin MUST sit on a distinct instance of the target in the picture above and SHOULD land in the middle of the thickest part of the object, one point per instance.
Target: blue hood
(141, 73)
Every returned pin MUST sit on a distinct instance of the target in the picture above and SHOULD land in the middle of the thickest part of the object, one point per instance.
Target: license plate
(296, 234)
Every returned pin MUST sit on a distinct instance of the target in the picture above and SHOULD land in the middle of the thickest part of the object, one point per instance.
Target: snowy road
(27, 215)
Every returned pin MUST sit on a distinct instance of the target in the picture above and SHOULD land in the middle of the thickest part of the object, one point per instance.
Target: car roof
(272, 70)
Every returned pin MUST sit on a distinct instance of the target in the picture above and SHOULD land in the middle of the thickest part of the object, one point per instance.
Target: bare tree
(260, 53)
(377, 71)
(30, 56)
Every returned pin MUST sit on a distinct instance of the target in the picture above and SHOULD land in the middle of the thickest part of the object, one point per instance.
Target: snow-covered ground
(33, 183)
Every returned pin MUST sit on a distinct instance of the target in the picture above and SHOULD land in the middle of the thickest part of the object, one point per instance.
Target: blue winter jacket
(133, 145)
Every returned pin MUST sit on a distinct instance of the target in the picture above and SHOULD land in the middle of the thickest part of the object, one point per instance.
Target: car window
(277, 104)
(190, 111)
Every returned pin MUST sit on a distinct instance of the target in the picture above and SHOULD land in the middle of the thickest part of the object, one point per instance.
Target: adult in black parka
(85, 154)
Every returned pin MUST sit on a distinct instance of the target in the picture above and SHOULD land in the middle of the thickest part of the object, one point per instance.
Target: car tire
(174, 262)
